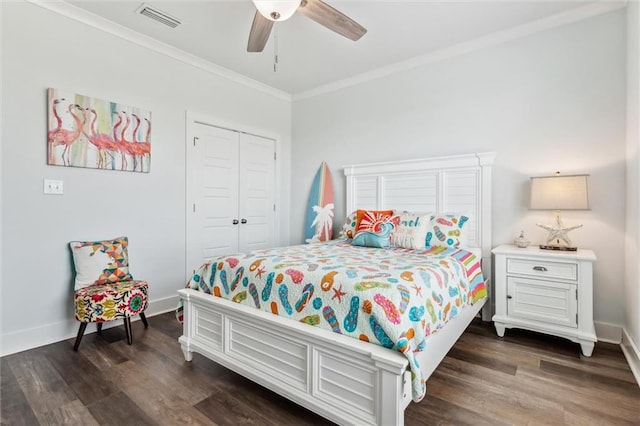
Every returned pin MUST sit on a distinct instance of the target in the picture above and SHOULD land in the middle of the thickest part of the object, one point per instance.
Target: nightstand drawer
(542, 268)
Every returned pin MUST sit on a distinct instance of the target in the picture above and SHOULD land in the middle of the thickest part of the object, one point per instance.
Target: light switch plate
(53, 187)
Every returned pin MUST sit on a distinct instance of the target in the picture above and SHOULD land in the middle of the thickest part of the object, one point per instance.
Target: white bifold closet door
(230, 193)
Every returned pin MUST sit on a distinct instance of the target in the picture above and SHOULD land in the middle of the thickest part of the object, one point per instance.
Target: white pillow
(412, 230)
(100, 262)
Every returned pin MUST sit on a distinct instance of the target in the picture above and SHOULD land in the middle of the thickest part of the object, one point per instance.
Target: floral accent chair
(104, 288)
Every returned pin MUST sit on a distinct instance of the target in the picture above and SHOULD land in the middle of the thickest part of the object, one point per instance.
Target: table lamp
(558, 193)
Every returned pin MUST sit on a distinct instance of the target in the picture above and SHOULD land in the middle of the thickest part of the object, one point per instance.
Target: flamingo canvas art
(99, 134)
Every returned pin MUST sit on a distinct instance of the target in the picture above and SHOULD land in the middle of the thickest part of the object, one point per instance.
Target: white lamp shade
(283, 9)
(560, 193)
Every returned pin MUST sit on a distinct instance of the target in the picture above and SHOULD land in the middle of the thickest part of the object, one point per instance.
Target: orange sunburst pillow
(374, 228)
(371, 215)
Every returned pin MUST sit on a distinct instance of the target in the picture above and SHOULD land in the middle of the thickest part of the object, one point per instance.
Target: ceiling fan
(275, 11)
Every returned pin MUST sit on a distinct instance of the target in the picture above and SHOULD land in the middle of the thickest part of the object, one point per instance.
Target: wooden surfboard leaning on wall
(318, 223)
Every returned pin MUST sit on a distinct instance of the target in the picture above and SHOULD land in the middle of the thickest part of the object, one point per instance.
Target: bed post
(485, 160)
(187, 328)
(394, 394)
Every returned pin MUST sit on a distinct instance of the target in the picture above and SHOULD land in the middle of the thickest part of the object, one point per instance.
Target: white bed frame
(340, 378)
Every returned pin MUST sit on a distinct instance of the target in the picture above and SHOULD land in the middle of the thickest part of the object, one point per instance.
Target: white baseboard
(631, 352)
(161, 306)
(608, 333)
(22, 340)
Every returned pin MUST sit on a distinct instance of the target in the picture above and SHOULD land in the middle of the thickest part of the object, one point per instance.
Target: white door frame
(193, 118)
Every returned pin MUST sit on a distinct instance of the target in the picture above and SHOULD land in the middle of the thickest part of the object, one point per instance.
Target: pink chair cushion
(107, 302)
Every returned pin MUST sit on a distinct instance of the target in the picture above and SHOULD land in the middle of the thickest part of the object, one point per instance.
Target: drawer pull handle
(509, 296)
(540, 268)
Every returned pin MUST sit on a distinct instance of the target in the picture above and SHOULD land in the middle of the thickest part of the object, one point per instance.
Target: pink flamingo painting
(89, 132)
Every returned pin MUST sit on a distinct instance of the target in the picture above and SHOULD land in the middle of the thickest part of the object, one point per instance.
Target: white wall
(631, 341)
(42, 49)
(550, 101)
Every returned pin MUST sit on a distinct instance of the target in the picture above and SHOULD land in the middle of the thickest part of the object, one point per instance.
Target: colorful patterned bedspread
(392, 297)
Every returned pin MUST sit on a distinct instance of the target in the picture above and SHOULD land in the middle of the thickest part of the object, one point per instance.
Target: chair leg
(127, 330)
(99, 328)
(83, 326)
(144, 320)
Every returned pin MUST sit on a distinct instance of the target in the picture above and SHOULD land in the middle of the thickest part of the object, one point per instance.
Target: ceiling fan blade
(260, 30)
(331, 18)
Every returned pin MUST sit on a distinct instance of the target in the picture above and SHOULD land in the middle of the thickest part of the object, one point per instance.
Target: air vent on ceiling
(158, 15)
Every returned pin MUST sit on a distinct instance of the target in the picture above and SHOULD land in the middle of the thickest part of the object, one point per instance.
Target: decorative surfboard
(318, 223)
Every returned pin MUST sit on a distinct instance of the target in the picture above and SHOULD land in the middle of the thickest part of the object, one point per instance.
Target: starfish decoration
(260, 272)
(558, 231)
(418, 290)
(338, 293)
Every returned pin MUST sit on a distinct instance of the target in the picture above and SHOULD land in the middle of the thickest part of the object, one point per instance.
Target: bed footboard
(340, 378)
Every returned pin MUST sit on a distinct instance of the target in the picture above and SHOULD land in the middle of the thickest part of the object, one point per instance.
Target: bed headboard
(459, 184)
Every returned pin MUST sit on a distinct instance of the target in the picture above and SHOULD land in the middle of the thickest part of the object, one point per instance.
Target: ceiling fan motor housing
(277, 10)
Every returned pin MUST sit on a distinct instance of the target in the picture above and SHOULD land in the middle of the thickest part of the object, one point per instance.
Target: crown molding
(490, 40)
(70, 11)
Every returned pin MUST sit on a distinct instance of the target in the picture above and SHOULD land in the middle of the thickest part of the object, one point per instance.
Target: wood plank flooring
(522, 379)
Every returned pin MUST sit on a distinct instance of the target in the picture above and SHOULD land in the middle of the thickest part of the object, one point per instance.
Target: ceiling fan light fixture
(277, 10)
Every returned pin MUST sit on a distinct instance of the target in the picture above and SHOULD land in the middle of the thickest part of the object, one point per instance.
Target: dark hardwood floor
(524, 378)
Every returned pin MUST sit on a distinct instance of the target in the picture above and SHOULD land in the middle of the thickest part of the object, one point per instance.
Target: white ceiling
(311, 56)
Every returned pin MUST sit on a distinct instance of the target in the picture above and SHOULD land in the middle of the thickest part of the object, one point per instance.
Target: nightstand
(545, 291)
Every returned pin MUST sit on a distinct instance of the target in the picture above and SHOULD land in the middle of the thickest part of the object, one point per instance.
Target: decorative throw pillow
(100, 262)
(349, 228)
(360, 214)
(411, 231)
(447, 230)
(375, 228)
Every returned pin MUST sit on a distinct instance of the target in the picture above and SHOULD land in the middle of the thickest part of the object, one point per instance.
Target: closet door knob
(235, 221)
(243, 221)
